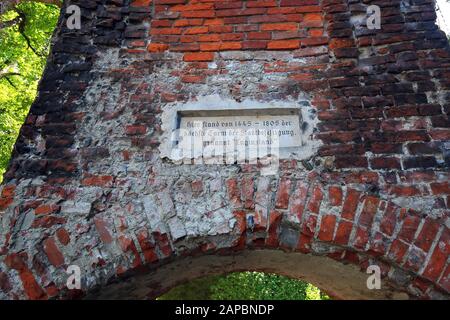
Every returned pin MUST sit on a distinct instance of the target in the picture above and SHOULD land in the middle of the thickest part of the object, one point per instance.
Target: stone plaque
(256, 127)
(238, 134)
(229, 131)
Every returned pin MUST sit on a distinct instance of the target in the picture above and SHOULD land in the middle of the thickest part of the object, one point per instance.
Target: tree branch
(10, 23)
(10, 82)
(8, 74)
(22, 24)
(7, 5)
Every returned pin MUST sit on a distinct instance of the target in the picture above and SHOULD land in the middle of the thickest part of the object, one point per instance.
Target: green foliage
(245, 286)
(24, 48)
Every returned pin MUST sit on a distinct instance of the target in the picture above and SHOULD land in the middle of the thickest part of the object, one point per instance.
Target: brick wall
(87, 180)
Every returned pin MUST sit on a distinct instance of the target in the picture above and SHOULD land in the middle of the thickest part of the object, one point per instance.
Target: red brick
(199, 14)
(298, 200)
(199, 56)
(284, 190)
(279, 18)
(398, 250)
(283, 45)
(404, 191)
(313, 17)
(350, 204)
(197, 186)
(240, 12)
(389, 220)
(234, 192)
(54, 255)
(369, 211)
(378, 244)
(5, 284)
(259, 36)
(230, 46)
(385, 163)
(191, 78)
(102, 229)
(162, 24)
(327, 225)
(232, 36)
(286, 26)
(309, 9)
(241, 224)
(63, 236)
(15, 261)
(5, 203)
(316, 41)
(214, 22)
(196, 30)
(228, 4)
(343, 233)
(361, 238)
(261, 3)
(157, 47)
(47, 221)
(282, 11)
(409, 228)
(209, 38)
(289, 3)
(132, 130)
(46, 209)
(188, 22)
(193, 7)
(440, 188)
(415, 259)
(247, 192)
(309, 225)
(188, 39)
(166, 31)
(316, 199)
(182, 47)
(444, 282)
(97, 181)
(438, 259)
(335, 195)
(274, 222)
(337, 43)
(52, 290)
(32, 289)
(141, 3)
(254, 45)
(8, 191)
(304, 243)
(214, 46)
(427, 234)
(127, 245)
(163, 243)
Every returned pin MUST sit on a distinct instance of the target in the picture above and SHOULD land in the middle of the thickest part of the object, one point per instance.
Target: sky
(444, 15)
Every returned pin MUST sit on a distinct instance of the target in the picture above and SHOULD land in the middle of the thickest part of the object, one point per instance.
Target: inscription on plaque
(237, 134)
(261, 128)
(214, 130)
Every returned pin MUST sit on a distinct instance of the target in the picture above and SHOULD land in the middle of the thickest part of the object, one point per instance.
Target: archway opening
(336, 279)
(248, 285)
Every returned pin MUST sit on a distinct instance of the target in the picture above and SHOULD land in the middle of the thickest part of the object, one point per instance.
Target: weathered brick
(327, 225)
(343, 233)
(284, 191)
(199, 56)
(350, 204)
(53, 253)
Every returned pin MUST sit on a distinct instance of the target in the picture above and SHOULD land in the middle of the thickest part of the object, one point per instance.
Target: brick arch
(86, 185)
